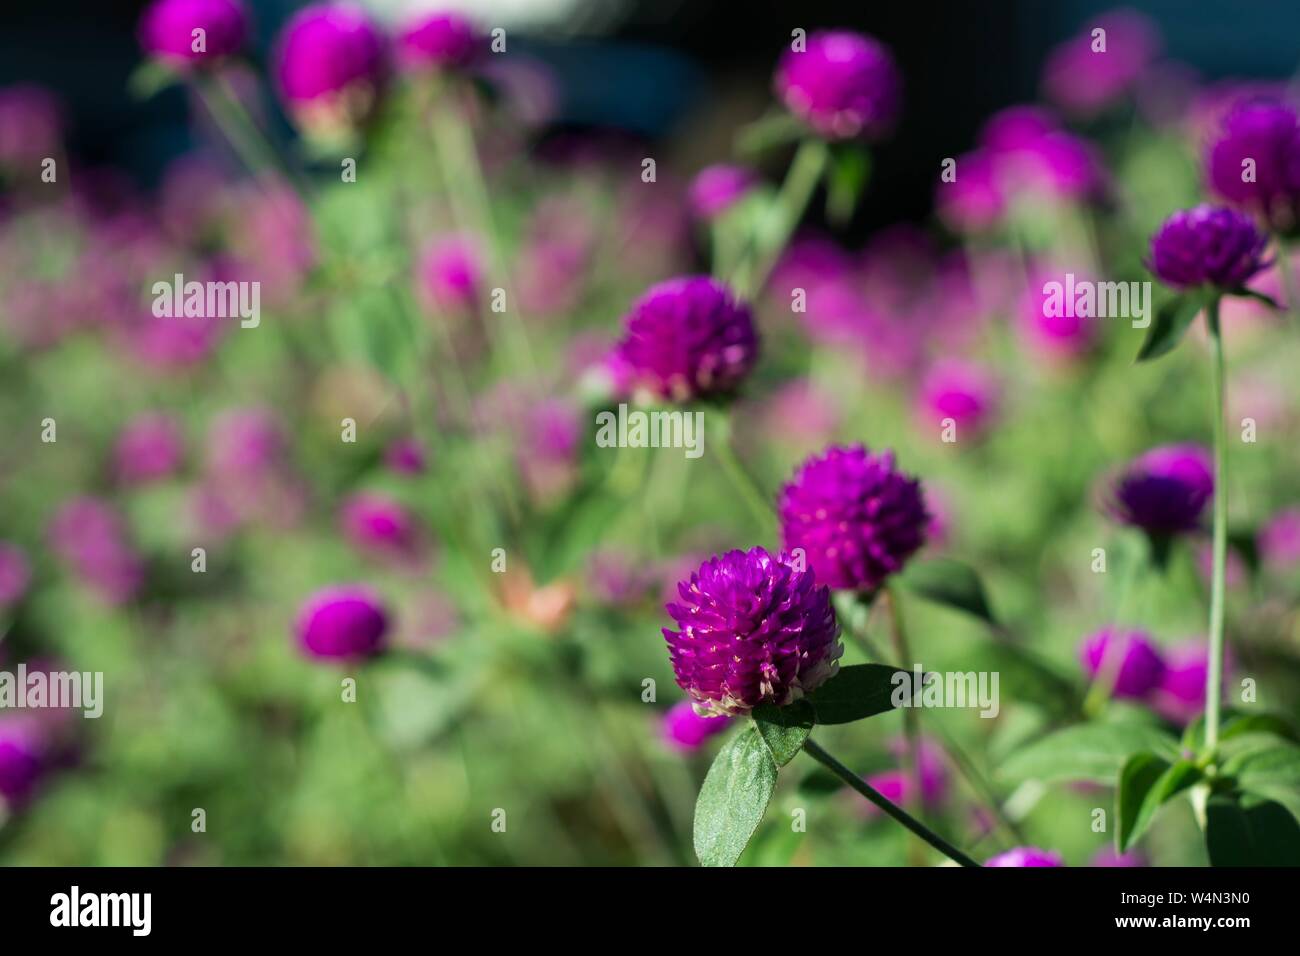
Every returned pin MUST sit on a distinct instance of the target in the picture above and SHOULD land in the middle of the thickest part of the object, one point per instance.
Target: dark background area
(653, 67)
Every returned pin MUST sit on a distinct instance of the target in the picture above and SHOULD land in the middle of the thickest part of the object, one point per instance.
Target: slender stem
(1214, 673)
(911, 716)
(744, 482)
(800, 181)
(857, 783)
(1287, 273)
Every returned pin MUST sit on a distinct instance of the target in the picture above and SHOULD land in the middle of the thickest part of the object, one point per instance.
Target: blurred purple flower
(451, 273)
(1279, 540)
(1083, 80)
(378, 525)
(330, 66)
(1127, 661)
(856, 517)
(618, 579)
(15, 574)
(1207, 244)
(1107, 856)
(168, 30)
(342, 622)
(959, 390)
(717, 188)
(437, 41)
(685, 730)
(91, 538)
(1254, 162)
(150, 447)
(405, 456)
(974, 200)
(22, 759)
(1180, 695)
(1164, 491)
(842, 84)
(31, 125)
(752, 630)
(1026, 856)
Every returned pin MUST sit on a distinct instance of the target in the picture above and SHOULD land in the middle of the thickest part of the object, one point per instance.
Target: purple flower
(1207, 244)
(900, 787)
(842, 84)
(1083, 80)
(856, 518)
(22, 759)
(91, 538)
(405, 456)
(331, 66)
(451, 273)
(964, 392)
(1054, 332)
(1026, 856)
(1279, 540)
(1255, 162)
(168, 30)
(1126, 660)
(715, 189)
(342, 622)
(378, 525)
(689, 338)
(618, 579)
(974, 200)
(1180, 695)
(753, 629)
(245, 442)
(31, 124)
(685, 730)
(437, 41)
(1031, 151)
(1107, 856)
(1164, 491)
(15, 574)
(149, 448)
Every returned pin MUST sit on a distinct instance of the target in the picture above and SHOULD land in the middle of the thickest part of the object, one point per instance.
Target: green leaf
(951, 583)
(856, 692)
(1171, 322)
(1093, 752)
(733, 798)
(845, 181)
(1250, 832)
(1235, 723)
(775, 129)
(1272, 772)
(150, 78)
(784, 729)
(1145, 783)
(1268, 300)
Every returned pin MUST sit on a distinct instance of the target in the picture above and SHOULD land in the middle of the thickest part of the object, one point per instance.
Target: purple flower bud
(856, 518)
(753, 630)
(689, 338)
(1207, 244)
(1031, 152)
(1180, 695)
(1126, 660)
(842, 84)
(1279, 540)
(715, 189)
(961, 391)
(331, 66)
(1054, 333)
(1083, 80)
(169, 30)
(685, 730)
(1164, 491)
(451, 273)
(22, 759)
(149, 448)
(437, 41)
(405, 456)
(378, 525)
(1026, 856)
(343, 622)
(1255, 161)
(15, 574)
(91, 538)
(975, 200)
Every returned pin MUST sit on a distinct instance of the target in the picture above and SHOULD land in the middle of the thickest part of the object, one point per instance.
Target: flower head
(715, 189)
(149, 448)
(688, 338)
(1207, 245)
(331, 65)
(856, 517)
(752, 629)
(1180, 694)
(1084, 80)
(961, 391)
(1126, 660)
(169, 30)
(91, 538)
(378, 525)
(1279, 539)
(1255, 161)
(437, 41)
(842, 84)
(451, 273)
(685, 730)
(1026, 856)
(343, 622)
(22, 759)
(1164, 491)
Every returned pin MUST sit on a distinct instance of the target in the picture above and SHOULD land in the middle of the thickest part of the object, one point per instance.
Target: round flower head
(405, 456)
(1279, 540)
(437, 41)
(22, 759)
(451, 273)
(188, 32)
(1180, 694)
(1164, 491)
(1026, 856)
(1085, 80)
(685, 730)
(975, 200)
(715, 189)
(753, 629)
(856, 518)
(344, 622)
(1260, 137)
(378, 525)
(31, 124)
(331, 66)
(1126, 660)
(149, 448)
(1207, 244)
(688, 338)
(842, 84)
(15, 574)
(960, 391)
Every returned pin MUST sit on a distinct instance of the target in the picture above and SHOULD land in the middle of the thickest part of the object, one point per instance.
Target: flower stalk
(1214, 672)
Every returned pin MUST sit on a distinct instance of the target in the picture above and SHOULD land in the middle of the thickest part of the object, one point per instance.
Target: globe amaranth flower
(342, 622)
(15, 574)
(1207, 245)
(1127, 661)
(405, 456)
(1165, 490)
(377, 524)
(331, 65)
(22, 759)
(856, 518)
(91, 538)
(1026, 856)
(961, 391)
(685, 730)
(717, 188)
(1279, 540)
(31, 124)
(1084, 80)
(1180, 694)
(451, 273)
(437, 41)
(150, 447)
(169, 30)
(752, 629)
(1255, 161)
(842, 84)
(688, 338)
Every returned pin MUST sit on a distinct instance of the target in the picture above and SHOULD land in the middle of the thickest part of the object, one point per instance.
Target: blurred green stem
(857, 783)
(1214, 673)
(758, 503)
(911, 717)
(1287, 273)
(776, 227)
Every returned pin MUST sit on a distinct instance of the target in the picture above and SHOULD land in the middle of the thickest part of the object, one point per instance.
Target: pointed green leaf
(1145, 783)
(1171, 322)
(1268, 300)
(1234, 724)
(1271, 771)
(784, 729)
(846, 180)
(951, 583)
(1250, 832)
(862, 690)
(1093, 752)
(733, 798)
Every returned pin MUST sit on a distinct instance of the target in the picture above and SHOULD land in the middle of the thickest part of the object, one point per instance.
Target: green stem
(805, 172)
(1288, 279)
(911, 716)
(1214, 673)
(744, 482)
(857, 783)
